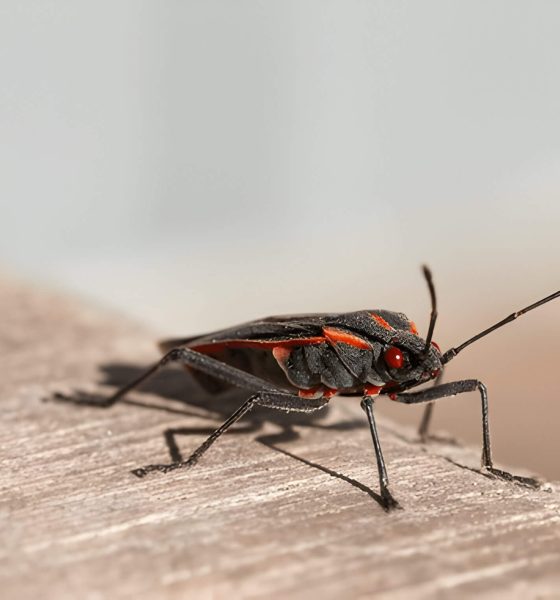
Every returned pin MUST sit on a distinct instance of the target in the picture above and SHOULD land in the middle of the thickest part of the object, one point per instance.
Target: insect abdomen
(310, 366)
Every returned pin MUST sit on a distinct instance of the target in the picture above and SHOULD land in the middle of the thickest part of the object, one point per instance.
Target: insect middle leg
(388, 501)
(280, 401)
(459, 387)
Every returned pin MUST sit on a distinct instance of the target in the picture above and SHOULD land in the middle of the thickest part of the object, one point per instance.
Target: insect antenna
(452, 352)
(433, 316)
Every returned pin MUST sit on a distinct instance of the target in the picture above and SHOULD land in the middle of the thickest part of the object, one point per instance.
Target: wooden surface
(280, 508)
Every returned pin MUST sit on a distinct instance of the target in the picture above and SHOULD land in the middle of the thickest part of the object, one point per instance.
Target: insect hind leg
(83, 399)
(191, 358)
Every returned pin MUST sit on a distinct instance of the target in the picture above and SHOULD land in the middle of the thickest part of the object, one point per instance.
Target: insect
(297, 363)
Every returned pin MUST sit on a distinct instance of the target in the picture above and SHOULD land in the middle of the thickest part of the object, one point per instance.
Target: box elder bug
(297, 363)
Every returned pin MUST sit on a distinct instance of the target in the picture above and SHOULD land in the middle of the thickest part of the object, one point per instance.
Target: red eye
(394, 357)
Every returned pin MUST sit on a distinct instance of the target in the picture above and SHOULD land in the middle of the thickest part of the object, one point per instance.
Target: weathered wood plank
(277, 509)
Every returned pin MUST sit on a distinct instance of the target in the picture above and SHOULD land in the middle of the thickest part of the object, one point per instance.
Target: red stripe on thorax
(381, 321)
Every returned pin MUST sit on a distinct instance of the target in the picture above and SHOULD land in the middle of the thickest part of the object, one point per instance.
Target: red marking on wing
(413, 328)
(381, 321)
(256, 344)
(334, 336)
(372, 390)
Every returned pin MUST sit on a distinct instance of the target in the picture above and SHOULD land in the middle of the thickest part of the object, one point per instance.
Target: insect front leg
(388, 500)
(459, 387)
(424, 426)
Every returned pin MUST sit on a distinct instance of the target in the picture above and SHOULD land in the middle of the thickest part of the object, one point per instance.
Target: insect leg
(280, 401)
(425, 422)
(194, 457)
(459, 387)
(196, 360)
(428, 412)
(264, 393)
(388, 500)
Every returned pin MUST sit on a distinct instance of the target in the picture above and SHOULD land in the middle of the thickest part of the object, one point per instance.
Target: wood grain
(283, 507)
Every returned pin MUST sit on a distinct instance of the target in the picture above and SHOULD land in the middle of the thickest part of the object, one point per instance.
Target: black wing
(273, 329)
(239, 346)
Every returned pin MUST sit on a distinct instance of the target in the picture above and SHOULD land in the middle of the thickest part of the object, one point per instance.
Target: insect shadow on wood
(174, 385)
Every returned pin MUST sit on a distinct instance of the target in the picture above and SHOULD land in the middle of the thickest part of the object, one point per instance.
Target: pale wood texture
(275, 510)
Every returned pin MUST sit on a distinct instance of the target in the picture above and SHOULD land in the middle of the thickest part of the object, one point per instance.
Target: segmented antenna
(433, 316)
(452, 352)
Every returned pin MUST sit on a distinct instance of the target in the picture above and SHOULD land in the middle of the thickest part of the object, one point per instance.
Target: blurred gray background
(193, 164)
